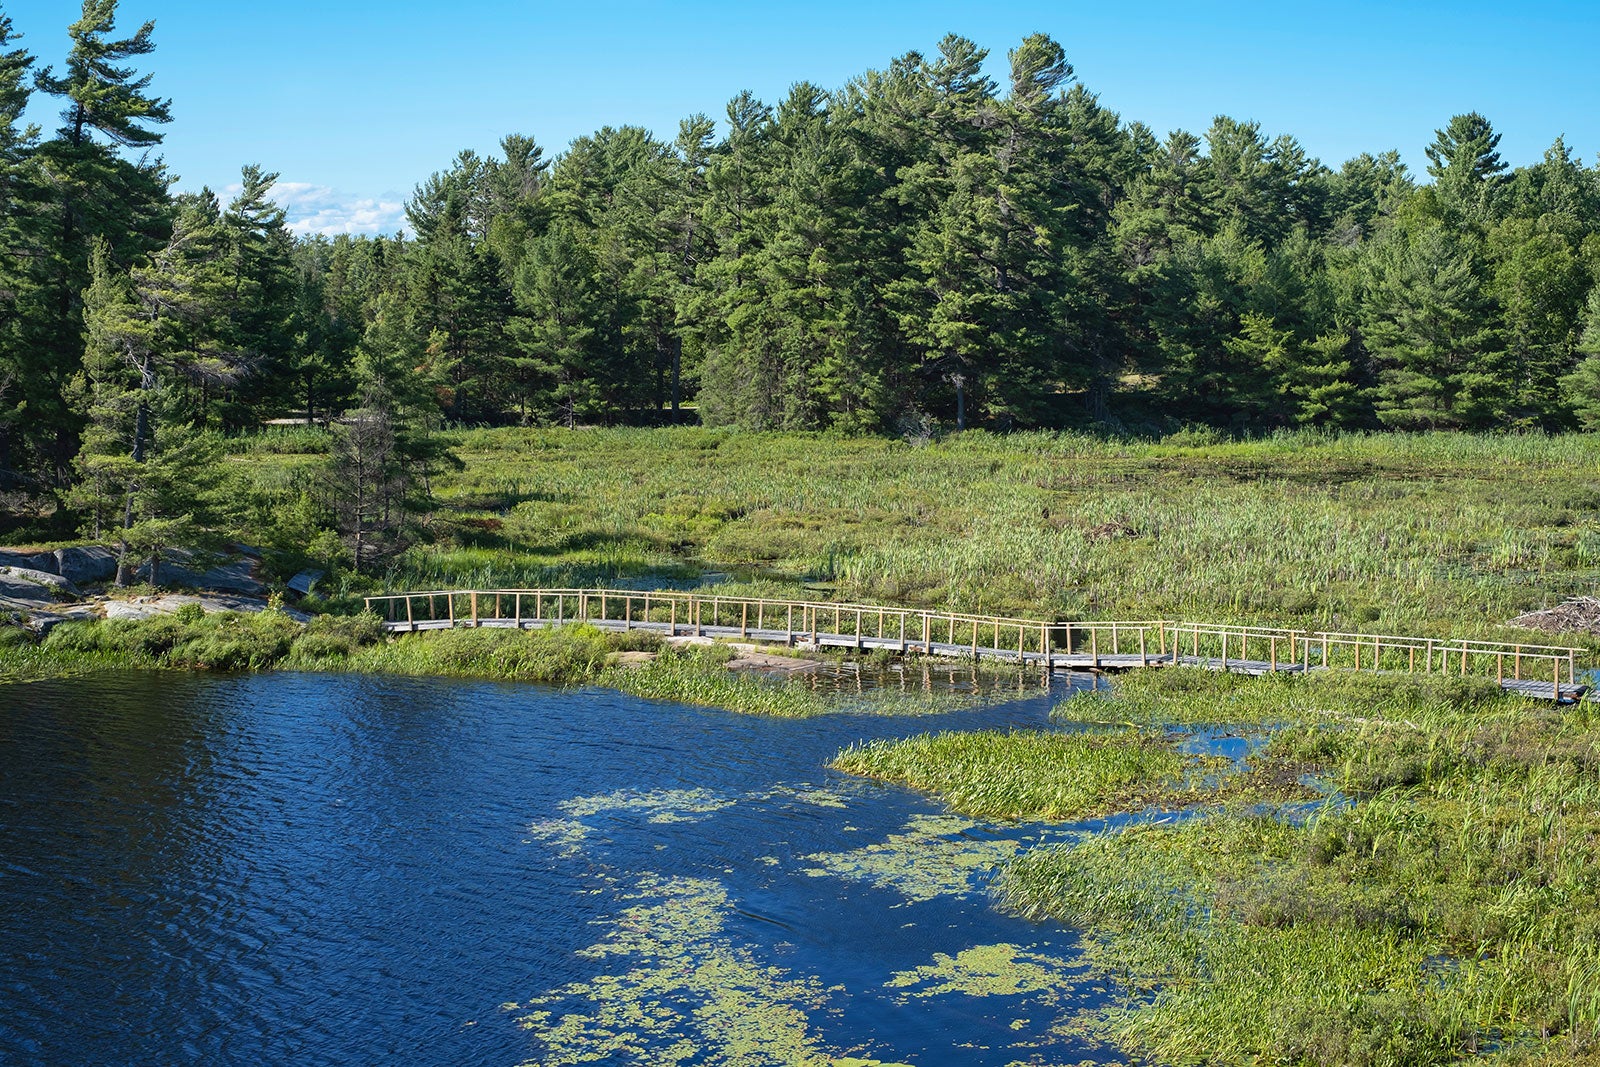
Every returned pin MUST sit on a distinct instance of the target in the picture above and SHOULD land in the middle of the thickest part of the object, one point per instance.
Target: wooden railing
(1093, 643)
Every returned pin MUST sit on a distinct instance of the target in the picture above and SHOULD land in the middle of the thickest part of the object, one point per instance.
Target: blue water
(321, 869)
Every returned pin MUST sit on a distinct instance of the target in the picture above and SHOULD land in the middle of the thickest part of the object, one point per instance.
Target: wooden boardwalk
(1546, 672)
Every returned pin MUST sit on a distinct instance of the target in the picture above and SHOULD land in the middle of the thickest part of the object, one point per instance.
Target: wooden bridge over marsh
(1542, 671)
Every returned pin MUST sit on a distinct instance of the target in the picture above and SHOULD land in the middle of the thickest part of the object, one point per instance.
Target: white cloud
(321, 209)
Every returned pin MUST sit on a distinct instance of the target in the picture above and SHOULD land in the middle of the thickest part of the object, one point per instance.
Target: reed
(1038, 774)
(1431, 534)
(1440, 904)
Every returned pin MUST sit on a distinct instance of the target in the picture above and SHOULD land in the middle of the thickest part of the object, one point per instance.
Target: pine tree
(1432, 331)
(97, 194)
(148, 330)
(20, 197)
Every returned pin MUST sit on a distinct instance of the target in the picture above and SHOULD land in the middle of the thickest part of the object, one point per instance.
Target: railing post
(411, 623)
(517, 607)
(1272, 654)
(1094, 645)
(474, 607)
(450, 606)
(1144, 660)
(744, 619)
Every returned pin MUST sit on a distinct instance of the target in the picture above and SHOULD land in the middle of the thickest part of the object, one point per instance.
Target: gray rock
(146, 607)
(173, 575)
(91, 564)
(42, 622)
(21, 582)
(32, 561)
(237, 576)
(302, 582)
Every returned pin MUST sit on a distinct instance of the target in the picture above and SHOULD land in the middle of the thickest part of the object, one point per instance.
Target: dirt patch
(1578, 615)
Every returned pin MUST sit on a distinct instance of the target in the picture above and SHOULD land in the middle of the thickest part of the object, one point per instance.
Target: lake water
(322, 869)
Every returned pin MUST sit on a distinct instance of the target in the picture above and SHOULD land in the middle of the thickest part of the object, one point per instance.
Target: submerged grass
(1442, 905)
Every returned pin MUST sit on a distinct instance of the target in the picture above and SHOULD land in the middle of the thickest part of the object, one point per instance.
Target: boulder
(42, 622)
(82, 565)
(236, 576)
(302, 582)
(24, 583)
(32, 561)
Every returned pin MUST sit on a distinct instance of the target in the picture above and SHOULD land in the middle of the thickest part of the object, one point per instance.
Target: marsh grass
(1431, 534)
(1442, 904)
(1038, 774)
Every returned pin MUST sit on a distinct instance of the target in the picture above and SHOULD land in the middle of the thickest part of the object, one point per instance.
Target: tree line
(923, 248)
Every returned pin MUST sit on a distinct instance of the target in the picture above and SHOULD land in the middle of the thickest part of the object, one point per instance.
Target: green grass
(1431, 534)
(1444, 905)
(576, 654)
(1044, 775)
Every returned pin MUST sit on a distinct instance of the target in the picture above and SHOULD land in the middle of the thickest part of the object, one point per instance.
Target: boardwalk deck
(1539, 671)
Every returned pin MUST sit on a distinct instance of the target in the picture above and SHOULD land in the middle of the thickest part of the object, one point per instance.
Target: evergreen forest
(921, 250)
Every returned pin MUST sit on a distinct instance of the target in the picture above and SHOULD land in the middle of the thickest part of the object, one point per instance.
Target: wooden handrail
(1011, 637)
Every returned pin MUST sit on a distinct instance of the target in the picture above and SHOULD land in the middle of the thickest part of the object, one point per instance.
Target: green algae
(820, 798)
(565, 836)
(657, 805)
(1002, 970)
(934, 856)
(680, 991)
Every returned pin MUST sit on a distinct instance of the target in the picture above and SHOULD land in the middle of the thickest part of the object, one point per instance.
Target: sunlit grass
(1443, 903)
(1431, 534)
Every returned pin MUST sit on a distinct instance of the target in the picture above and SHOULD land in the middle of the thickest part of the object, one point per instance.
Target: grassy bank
(568, 655)
(1427, 533)
(1442, 905)
(1042, 775)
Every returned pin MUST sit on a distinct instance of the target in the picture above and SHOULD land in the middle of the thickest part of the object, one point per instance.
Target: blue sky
(354, 103)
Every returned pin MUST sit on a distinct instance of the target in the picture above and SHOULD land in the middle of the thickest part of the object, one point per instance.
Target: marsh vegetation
(1437, 900)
